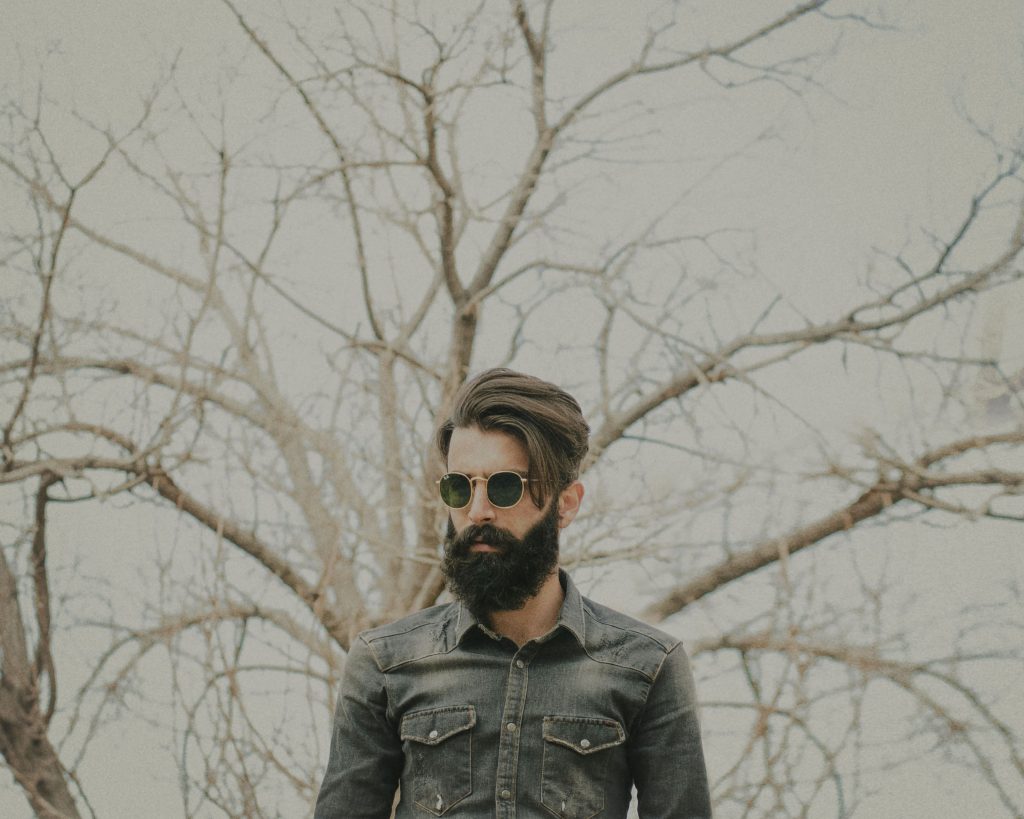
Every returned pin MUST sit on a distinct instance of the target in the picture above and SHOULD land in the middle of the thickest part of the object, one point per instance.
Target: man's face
(479, 453)
(496, 559)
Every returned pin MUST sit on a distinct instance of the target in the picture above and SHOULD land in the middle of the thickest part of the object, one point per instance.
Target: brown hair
(544, 418)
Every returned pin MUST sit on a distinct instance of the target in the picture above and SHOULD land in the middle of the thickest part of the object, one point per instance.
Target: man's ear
(569, 500)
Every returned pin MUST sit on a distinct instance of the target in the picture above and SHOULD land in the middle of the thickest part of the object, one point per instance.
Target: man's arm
(365, 762)
(665, 750)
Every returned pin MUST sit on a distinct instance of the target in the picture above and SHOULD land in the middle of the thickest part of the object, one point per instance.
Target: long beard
(504, 580)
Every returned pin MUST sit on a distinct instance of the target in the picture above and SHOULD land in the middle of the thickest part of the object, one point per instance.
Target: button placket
(508, 747)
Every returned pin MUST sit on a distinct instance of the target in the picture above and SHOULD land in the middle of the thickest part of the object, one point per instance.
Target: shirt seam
(370, 636)
(632, 668)
(388, 712)
(649, 637)
(641, 711)
(416, 659)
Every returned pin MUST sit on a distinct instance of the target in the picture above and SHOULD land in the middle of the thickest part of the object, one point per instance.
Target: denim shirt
(471, 725)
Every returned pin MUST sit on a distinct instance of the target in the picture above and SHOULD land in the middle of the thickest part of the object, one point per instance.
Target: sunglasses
(504, 489)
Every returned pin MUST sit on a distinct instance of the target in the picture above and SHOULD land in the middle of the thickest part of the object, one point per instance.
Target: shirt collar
(570, 616)
(464, 622)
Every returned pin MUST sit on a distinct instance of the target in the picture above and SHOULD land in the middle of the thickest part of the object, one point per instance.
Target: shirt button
(511, 727)
(584, 743)
(520, 664)
(433, 734)
(506, 794)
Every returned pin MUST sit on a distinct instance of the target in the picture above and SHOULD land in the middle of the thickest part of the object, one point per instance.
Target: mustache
(500, 539)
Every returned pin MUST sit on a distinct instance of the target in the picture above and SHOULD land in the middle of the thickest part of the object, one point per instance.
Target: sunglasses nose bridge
(480, 507)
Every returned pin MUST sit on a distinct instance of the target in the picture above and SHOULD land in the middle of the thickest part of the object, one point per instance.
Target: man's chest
(532, 683)
(546, 726)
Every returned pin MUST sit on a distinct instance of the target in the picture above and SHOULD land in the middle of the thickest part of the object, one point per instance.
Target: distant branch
(878, 498)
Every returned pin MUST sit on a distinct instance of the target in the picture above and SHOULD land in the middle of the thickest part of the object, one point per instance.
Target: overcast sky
(889, 140)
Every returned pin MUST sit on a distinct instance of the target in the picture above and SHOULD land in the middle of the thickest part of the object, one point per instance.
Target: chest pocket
(438, 744)
(576, 754)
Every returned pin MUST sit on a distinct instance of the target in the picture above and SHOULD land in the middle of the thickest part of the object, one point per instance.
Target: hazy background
(805, 193)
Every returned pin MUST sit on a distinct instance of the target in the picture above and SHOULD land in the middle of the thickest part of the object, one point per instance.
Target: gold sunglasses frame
(472, 488)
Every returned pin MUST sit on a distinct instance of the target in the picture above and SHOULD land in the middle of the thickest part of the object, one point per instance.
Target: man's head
(496, 555)
(546, 421)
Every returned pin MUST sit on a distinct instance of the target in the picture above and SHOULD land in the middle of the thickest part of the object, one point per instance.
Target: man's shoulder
(412, 637)
(616, 637)
(643, 632)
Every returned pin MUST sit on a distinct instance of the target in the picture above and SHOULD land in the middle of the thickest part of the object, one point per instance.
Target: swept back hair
(546, 420)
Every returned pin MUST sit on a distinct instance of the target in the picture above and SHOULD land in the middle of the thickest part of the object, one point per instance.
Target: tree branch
(871, 503)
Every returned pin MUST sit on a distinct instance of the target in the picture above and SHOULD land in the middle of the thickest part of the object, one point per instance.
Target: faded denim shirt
(471, 725)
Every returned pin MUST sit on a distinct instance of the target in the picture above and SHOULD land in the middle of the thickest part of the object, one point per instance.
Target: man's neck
(536, 618)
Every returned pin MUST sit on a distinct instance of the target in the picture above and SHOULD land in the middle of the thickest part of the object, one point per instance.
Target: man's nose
(480, 509)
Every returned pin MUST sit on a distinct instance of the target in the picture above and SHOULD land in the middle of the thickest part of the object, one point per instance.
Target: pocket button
(584, 743)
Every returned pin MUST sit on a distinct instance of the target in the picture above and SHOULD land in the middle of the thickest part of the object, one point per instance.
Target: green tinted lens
(455, 490)
(504, 489)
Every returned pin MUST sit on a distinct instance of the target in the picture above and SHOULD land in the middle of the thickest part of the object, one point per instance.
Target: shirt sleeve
(665, 751)
(365, 761)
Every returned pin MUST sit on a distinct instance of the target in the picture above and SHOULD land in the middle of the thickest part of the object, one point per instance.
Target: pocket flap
(583, 734)
(435, 725)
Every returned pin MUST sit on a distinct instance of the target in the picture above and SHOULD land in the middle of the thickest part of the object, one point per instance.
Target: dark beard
(504, 580)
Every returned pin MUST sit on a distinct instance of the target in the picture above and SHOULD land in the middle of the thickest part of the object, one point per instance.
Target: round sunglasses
(504, 489)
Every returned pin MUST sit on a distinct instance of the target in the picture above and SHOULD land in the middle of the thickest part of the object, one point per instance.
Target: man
(521, 698)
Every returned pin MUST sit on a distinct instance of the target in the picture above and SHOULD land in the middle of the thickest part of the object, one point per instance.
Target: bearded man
(521, 698)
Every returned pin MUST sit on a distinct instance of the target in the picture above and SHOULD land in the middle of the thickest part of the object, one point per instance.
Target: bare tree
(259, 345)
